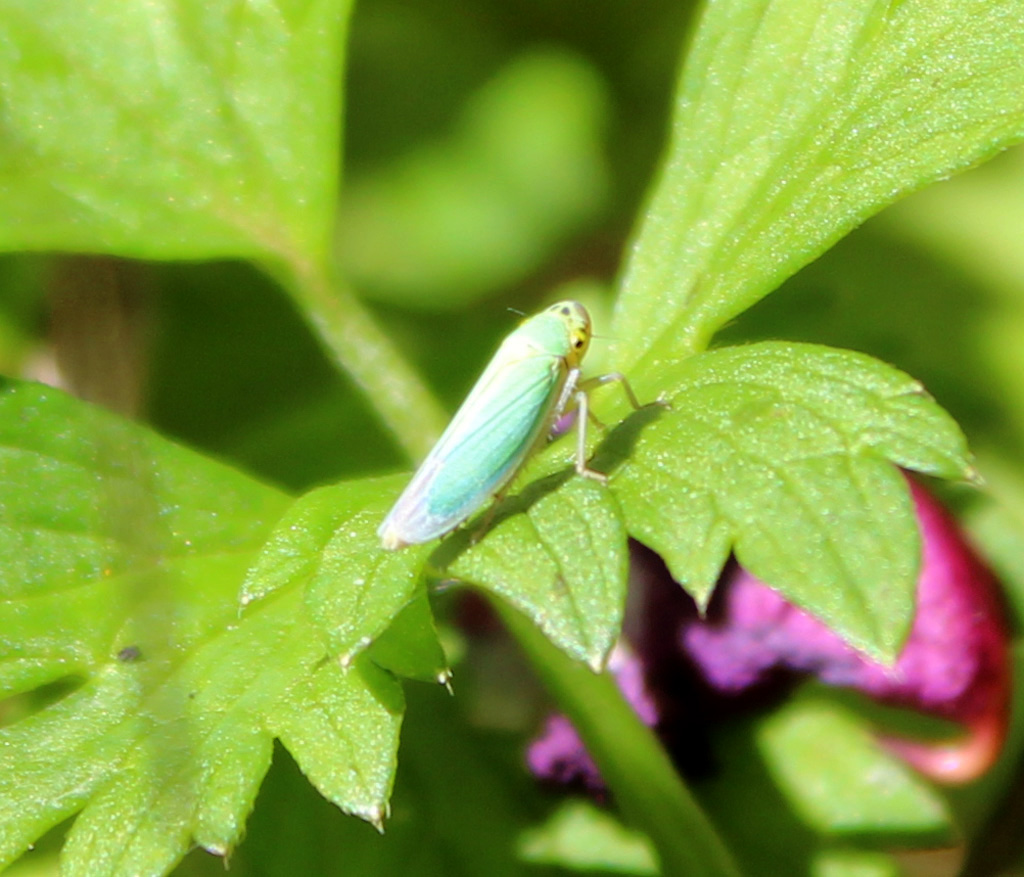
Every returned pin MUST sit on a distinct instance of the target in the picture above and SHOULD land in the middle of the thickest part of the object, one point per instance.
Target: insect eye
(578, 343)
(566, 311)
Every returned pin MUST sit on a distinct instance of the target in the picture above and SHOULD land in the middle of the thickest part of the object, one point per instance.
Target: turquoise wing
(487, 440)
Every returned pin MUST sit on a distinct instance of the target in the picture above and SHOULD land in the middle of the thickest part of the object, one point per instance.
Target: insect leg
(583, 407)
(600, 380)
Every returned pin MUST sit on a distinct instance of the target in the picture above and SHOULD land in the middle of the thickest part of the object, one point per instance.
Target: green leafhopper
(508, 414)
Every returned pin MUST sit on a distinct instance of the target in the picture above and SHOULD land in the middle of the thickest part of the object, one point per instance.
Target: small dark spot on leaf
(129, 654)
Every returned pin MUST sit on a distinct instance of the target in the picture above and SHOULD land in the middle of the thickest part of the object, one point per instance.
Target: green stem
(646, 786)
(357, 344)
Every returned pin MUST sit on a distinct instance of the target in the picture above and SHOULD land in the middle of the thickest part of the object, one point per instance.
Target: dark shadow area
(618, 445)
(755, 820)
(20, 706)
(998, 847)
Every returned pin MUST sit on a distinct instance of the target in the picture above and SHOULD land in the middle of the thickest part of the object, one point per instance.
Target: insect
(508, 414)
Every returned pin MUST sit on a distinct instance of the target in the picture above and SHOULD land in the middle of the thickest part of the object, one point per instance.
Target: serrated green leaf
(93, 514)
(327, 544)
(796, 121)
(459, 802)
(337, 724)
(783, 453)
(410, 646)
(121, 557)
(558, 554)
(176, 130)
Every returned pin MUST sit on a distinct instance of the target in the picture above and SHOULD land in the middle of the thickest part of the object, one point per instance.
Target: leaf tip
(972, 476)
(445, 678)
(375, 815)
(702, 598)
(885, 654)
(346, 659)
(251, 593)
(916, 388)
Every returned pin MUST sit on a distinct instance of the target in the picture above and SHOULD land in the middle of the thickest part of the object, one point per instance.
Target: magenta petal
(559, 756)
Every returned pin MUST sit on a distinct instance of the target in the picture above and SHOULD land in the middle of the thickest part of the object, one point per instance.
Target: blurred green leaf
(187, 130)
(121, 577)
(817, 792)
(558, 554)
(467, 215)
(795, 121)
(194, 130)
(842, 783)
(855, 863)
(783, 453)
(997, 526)
(970, 227)
(743, 799)
(579, 836)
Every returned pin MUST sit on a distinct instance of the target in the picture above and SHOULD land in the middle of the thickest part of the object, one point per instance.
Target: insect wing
(509, 422)
(496, 427)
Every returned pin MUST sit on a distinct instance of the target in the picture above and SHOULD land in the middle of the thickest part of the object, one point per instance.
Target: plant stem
(645, 784)
(358, 346)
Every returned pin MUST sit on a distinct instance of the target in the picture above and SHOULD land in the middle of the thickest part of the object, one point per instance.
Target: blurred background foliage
(494, 152)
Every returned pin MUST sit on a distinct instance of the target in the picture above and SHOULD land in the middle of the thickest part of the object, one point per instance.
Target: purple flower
(954, 665)
(558, 754)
